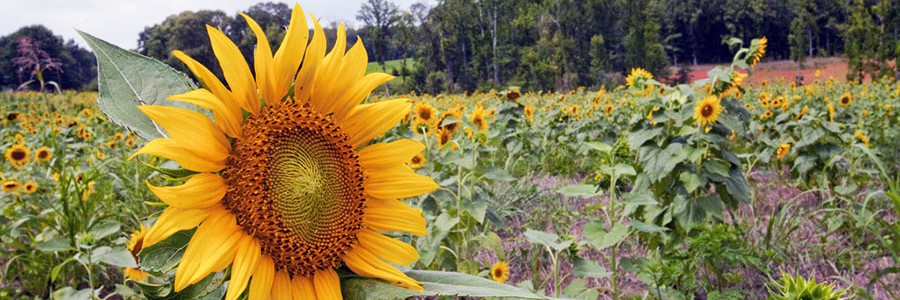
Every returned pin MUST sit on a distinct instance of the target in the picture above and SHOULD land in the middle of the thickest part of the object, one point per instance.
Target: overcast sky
(120, 21)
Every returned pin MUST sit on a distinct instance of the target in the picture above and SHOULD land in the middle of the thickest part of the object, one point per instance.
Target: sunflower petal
(290, 53)
(200, 191)
(327, 75)
(261, 285)
(364, 263)
(245, 259)
(360, 89)
(235, 68)
(388, 249)
(262, 60)
(313, 57)
(190, 130)
(385, 155)
(208, 79)
(212, 248)
(328, 285)
(281, 286)
(352, 68)
(398, 182)
(368, 121)
(167, 148)
(173, 220)
(227, 114)
(302, 288)
(393, 215)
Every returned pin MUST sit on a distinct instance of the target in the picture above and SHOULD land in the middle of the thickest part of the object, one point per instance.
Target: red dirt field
(774, 71)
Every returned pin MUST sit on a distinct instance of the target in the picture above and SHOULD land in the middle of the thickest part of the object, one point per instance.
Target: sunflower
(846, 99)
(289, 192)
(500, 272)
(417, 161)
(43, 154)
(12, 116)
(764, 99)
(529, 112)
(479, 119)
(830, 111)
(608, 109)
(783, 150)
(135, 244)
(11, 185)
(862, 138)
(758, 51)
(803, 112)
(638, 76)
(513, 94)
(30, 187)
(18, 156)
(708, 110)
(425, 113)
(453, 124)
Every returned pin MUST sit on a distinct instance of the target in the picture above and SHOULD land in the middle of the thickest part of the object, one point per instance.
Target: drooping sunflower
(30, 187)
(759, 49)
(500, 271)
(637, 76)
(294, 190)
(846, 99)
(135, 244)
(18, 156)
(708, 110)
(782, 150)
(43, 154)
(11, 185)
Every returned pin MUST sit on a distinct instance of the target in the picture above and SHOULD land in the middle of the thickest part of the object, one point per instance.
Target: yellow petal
(386, 248)
(393, 215)
(281, 286)
(368, 121)
(167, 148)
(364, 263)
(385, 155)
(398, 182)
(200, 191)
(360, 89)
(191, 130)
(290, 53)
(173, 220)
(302, 288)
(314, 52)
(261, 285)
(228, 114)
(353, 67)
(327, 78)
(262, 60)
(211, 249)
(245, 259)
(235, 69)
(208, 79)
(328, 285)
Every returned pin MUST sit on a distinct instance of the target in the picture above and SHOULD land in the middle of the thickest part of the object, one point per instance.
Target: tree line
(468, 45)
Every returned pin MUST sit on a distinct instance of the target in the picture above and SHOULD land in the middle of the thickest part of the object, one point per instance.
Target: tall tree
(379, 17)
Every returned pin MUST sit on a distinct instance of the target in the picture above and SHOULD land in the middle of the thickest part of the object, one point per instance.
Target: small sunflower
(513, 94)
(782, 150)
(638, 76)
(135, 244)
(18, 156)
(479, 119)
(830, 111)
(450, 120)
(12, 116)
(30, 187)
(43, 154)
(289, 191)
(417, 161)
(846, 99)
(862, 137)
(608, 109)
(803, 112)
(708, 110)
(500, 272)
(758, 47)
(529, 112)
(11, 185)
(425, 113)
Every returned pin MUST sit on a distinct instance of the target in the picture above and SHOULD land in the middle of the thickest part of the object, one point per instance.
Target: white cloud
(120, 21)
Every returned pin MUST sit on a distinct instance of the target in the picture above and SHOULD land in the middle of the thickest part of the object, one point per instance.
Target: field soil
(774, 71)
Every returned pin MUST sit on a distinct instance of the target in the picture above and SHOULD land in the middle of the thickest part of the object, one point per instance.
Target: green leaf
(126, 80)
(118, 257)
(579, 190)
(600, 238)
(546, 239)
(436, 283)
(688, 212)
(104, 229)
(737, 186)
(658, 162)
(599, 146)
(55, 244)
(163, 256)
(646, 228)
(716, 168)
(638, 138)
(579, 290)
(690, 181)
(589, 268)
(633, 200)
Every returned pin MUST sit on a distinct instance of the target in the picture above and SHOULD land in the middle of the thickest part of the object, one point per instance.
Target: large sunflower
(288, 187)
(708, 110)
(18, 156)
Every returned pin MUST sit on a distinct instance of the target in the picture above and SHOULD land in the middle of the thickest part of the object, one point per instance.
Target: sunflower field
(296, 181)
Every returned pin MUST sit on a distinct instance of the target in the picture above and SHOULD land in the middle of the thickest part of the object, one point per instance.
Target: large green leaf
(436, 283)
(126, 79)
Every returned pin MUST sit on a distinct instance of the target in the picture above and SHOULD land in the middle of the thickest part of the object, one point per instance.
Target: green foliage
(795, 287)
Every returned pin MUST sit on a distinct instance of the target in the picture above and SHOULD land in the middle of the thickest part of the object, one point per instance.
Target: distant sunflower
(12, 116)
(135, 244)
(758, 52)
(529, 112)
(294, 190)
(43, 154)
(30, 187)
(803, 112)
(500, 272)
(11, 185)
(846, 99)
(18, 156)
(862, 137)
(608, 109)
(425, 113)
(417, 161)
(830, 111)
(513, 94)
(479, 119)
(638, 76)
(782, 150)
(708, 110)
(450, 120)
